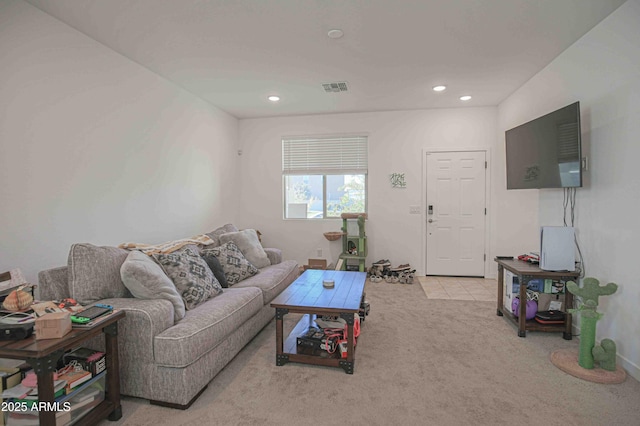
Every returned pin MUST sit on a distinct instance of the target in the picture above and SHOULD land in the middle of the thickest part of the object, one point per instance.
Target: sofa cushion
(206, 326)
(190, 274)
(248, 243)
(216, 268)
(215, 235)
(236, 267)
(94, 273)
(273, 279)
(145, 279)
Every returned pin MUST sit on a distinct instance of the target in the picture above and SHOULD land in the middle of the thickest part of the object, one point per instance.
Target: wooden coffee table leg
(348, 364)
(281, 357)
(113, 369)
(500, 290)
(44, 368)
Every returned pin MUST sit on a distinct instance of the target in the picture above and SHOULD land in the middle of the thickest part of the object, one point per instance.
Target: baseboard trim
(630, 367)
(178, 406)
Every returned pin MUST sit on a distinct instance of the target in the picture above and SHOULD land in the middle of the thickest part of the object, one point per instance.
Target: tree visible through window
(324, 177)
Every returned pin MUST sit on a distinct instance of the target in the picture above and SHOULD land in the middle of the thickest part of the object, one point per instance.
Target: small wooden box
(53, 325)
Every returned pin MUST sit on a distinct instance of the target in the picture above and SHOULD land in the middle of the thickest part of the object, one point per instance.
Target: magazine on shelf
(23, 392)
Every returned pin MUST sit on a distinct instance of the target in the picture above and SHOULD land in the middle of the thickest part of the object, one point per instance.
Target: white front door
(456, 213)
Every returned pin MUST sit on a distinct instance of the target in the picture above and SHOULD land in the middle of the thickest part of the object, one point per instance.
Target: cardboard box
(511, 289)
(10, 378)
(316, 264)
(551, 302)
(53, 325)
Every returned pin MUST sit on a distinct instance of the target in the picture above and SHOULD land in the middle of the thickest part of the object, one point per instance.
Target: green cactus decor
(605, 354)
(589, 293)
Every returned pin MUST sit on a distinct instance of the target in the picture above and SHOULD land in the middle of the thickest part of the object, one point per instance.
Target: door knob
(431, 220)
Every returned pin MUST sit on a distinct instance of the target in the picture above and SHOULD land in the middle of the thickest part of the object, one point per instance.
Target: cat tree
(582, 364)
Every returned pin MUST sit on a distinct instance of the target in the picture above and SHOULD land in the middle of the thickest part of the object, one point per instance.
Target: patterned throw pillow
(190, 274)
(216, 268)
(236, 268)
(248, 243)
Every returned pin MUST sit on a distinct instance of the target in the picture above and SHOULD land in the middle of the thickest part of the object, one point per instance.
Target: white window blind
(324, 155)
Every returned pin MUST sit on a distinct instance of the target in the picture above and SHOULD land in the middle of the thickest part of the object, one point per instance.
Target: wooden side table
(43, 356)
(527, 272)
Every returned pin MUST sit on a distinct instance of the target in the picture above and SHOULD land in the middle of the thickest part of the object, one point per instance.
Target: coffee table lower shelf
(291, 352)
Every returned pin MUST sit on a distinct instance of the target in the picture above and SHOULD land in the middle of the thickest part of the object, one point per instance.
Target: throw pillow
(248, 243)
(236, 267)
(94, 273)
(215, 235)
(190, 274)
(216, 268)
(145, 279)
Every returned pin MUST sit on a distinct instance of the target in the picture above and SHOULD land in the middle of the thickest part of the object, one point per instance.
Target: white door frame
(487, 195)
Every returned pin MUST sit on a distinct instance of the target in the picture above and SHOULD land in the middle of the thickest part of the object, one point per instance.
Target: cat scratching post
(582, 364)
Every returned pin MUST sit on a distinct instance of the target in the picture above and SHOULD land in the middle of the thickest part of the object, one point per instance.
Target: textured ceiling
(234, 53)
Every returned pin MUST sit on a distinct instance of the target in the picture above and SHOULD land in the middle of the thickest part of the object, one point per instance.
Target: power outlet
(414, 209)
(319, 252)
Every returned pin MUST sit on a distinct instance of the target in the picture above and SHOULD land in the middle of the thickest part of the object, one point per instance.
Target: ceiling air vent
(335, 87)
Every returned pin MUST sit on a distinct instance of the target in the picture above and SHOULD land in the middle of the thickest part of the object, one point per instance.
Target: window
(324, 176)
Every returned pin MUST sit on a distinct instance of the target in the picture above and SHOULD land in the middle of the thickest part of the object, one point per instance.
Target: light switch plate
(414, 209)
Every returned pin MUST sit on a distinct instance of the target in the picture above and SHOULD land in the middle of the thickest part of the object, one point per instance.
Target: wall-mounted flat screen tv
(546, 152)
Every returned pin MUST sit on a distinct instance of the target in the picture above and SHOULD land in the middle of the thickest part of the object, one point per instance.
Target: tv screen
(546, 152)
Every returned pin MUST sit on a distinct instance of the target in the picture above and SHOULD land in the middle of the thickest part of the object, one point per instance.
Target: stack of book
(72, 399)
(74, 379)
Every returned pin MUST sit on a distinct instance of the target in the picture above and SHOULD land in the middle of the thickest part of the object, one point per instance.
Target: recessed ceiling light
(465, 98)
(335, 33)
(439, 88)
(274, 98)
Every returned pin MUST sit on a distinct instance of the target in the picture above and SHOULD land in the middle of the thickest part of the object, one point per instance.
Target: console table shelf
(525, 273)
(43, 356)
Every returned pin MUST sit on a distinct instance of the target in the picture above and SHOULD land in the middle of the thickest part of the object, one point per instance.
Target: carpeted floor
(419, 361)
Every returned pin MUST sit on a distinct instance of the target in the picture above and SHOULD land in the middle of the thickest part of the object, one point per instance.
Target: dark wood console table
(43, 356)
(526, 272)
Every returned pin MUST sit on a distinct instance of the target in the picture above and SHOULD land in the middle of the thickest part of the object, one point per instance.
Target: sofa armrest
(145, 319)
(53, 284)
(274, 255)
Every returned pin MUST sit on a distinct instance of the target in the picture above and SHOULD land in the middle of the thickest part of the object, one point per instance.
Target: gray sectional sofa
(167, 360)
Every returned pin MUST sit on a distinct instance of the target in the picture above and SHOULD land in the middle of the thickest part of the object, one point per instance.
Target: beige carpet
(419, 362)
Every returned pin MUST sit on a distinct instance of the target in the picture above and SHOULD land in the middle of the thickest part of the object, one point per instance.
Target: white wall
(95, 148)
(397, 141)
(601, 70)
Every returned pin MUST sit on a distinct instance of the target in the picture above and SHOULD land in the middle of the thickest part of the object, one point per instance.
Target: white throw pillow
(145, 279)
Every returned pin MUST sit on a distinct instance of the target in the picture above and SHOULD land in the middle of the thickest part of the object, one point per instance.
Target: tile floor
(459, 288)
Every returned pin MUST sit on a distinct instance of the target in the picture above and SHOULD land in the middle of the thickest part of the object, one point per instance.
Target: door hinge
(485, 211)
(485, 164)
(485, 257)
